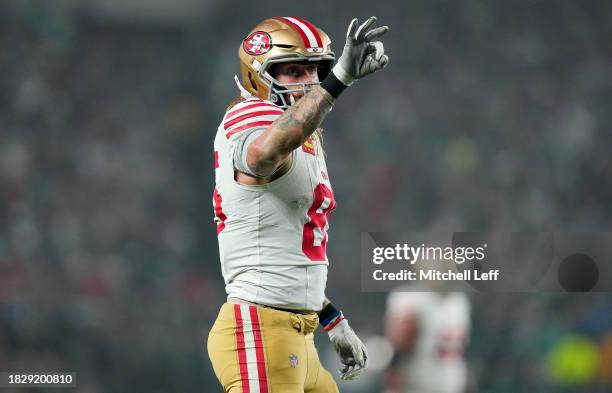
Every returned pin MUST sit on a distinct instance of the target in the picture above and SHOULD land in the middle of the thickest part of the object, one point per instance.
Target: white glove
(353, 354)
(361, 55)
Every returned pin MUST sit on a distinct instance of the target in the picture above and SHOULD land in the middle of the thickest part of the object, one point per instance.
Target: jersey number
(220, 217)
(314, 240)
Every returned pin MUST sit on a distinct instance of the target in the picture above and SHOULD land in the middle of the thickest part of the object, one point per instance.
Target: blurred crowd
(490, 117)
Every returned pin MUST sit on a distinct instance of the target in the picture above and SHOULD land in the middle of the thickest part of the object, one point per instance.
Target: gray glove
(361, 55)
(353, 354)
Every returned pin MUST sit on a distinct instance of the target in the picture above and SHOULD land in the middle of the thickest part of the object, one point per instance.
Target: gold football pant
(262, 350)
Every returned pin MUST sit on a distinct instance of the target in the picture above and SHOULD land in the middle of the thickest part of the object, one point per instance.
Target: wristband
(333, 85)
(330, 316)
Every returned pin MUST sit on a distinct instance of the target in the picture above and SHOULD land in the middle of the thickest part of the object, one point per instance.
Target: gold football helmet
(276, 40)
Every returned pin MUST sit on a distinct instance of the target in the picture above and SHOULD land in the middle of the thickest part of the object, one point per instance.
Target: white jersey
(436, 364)
(272, 237)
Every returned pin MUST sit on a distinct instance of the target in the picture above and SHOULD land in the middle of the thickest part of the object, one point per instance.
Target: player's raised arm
(363, 54)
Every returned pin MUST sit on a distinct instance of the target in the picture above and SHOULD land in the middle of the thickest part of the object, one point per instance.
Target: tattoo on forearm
(302, 119)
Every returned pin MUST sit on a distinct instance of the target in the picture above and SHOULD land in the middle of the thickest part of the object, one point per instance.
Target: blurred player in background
(428, 332)
(272, 203)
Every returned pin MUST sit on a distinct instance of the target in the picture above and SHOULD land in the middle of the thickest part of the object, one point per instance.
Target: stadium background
(492, 116)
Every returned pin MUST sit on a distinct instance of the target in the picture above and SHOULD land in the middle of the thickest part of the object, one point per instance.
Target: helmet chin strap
(243, 92)
(291, 99)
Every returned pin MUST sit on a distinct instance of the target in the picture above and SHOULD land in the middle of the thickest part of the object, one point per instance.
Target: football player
(428, 332)
(272, 203)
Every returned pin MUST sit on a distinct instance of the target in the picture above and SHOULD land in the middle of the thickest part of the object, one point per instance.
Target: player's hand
(363, 54)
(353, 354)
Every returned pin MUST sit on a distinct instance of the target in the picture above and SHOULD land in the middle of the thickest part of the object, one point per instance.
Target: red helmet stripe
(298, 29)
(308, 36)
(313, 29)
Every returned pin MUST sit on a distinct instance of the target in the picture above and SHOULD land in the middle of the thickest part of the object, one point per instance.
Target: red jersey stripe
(241, 108)
(242, 361)
(245, 116)
(247, 126)
(313, 30)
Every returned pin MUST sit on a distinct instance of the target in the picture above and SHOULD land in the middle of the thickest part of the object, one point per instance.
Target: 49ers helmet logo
(258, 43)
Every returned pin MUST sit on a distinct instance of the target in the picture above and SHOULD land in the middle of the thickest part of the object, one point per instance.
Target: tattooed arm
(362, 55)
(272, 148)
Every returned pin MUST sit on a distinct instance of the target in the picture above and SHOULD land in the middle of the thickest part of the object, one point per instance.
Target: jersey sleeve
(241, 149)
(243, 124)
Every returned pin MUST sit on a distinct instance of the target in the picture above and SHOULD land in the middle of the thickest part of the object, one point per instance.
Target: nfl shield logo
(293, 359)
